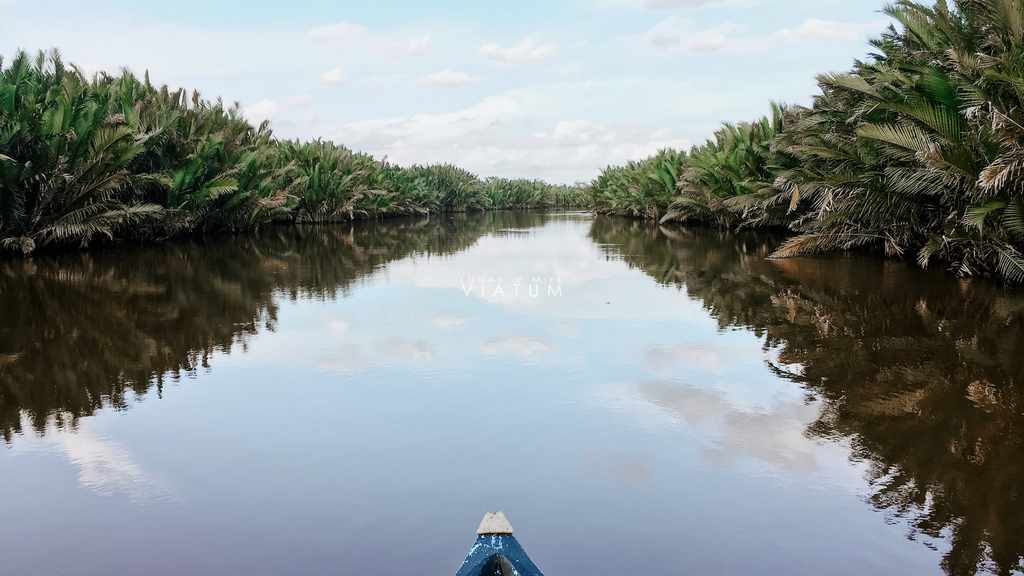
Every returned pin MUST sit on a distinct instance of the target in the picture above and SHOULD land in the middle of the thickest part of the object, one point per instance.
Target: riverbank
(116, 158)
(917, 152)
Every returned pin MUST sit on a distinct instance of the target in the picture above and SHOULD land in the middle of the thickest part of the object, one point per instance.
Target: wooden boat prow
(496, 551)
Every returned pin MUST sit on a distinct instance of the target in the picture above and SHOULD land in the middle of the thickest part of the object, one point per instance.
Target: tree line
(916, 152)
(114, 157)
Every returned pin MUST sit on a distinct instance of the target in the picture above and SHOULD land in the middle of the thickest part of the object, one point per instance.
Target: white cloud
(664, 359)
(816, 29)
(508, 135)
(565, 161)
(528, 50)
(107, 468)
(104, 467)
(671, 4)
(347, 350)
(711, 39)
(333, 76)
(432, 129)
(401, 350)
(774, 435)
(299, 100)
(449, 321)
(338, 328)
(379, 81)
(340, 31)
(419, 44)
(578, 132)
(675, 33)
(446, 79)
(522, 347)
(262, 110)
(485, 139)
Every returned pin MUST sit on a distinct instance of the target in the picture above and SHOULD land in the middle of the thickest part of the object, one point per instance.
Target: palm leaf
(976, 215)
(1005, 170)
(1013, 218)
(905, 136)
(1009, 263)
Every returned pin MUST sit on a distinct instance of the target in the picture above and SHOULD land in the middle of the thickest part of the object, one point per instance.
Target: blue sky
(553, 90)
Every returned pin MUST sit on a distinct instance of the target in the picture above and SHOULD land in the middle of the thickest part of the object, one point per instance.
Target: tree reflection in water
(922, 375)
(85, 331)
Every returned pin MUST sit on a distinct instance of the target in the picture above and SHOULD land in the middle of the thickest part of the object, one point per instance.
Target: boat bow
(496, 551)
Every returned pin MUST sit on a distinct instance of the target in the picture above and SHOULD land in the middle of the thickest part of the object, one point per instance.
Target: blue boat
(496, 551)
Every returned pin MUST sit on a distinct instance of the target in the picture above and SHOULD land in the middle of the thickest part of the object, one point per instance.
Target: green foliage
(116, 158)
(328, 182)
(923, 154)
(641, 189)
(70, 150)
(729, 180)
(457, 190)
(506, 194)
(917, 152)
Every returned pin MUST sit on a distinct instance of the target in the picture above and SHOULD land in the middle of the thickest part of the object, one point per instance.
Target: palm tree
(919, 150)
(114, 157)
(641, 189)
(67, 152)
(730, 180)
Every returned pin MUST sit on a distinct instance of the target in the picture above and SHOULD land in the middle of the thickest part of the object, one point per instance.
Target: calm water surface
(351, 400)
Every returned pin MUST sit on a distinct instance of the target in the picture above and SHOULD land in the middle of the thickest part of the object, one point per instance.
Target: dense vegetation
(638, 189)
(143, 317)
(917, 151)
(114, 157)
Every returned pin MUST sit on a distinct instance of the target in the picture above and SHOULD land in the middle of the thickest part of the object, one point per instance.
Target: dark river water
(351, 400)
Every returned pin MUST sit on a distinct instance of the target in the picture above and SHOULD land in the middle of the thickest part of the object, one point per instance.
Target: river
(352, 399)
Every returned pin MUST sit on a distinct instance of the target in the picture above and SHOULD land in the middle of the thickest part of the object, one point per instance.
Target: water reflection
(923, 376)
(81, 332)
(606, 389)
(772, 435)
(103, 466)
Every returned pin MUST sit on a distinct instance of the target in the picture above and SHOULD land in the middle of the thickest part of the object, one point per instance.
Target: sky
(554, 89)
